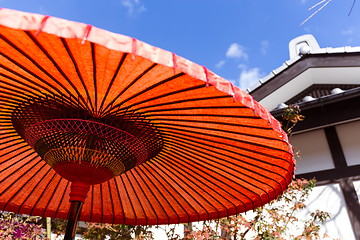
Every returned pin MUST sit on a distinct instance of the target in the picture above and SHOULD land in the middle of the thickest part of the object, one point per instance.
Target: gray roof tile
(291, 61)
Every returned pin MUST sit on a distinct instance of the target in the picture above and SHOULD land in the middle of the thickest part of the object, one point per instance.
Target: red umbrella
(145, 136)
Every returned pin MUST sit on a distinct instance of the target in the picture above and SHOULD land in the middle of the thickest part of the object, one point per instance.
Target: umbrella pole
(78, 193)
(74, 214)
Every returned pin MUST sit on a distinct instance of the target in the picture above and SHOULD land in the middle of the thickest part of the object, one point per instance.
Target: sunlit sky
(240, 40)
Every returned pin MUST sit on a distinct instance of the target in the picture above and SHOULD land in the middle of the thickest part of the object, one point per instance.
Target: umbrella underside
(177, 150)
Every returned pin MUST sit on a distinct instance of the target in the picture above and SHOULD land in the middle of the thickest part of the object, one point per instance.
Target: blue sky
(240, 40)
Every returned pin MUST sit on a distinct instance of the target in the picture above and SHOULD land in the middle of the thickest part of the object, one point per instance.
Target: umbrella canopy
(158, 139)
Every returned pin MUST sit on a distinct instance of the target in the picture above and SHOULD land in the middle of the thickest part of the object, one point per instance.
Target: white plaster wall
(160, 232)
(61, 237)
(314, 151)
(329, 198)
(349, 136)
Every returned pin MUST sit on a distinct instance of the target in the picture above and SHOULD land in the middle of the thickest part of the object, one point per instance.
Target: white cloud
(349, 31)
(249, 77)
(220, 64)
(264, 47)
(134, 6)
(236, 51)
(242, 66)
(43, 10)
(303, 1)
(141, 9)
(306, 29)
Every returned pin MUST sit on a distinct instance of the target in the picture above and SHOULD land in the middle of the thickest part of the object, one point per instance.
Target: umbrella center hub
(85, 150)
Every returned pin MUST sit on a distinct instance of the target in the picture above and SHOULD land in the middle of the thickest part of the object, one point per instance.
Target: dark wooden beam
(335, 147)
(352, 204)
(327, 112)
(333, 175)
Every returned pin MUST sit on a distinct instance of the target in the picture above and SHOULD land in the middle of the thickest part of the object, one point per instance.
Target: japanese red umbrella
(145, 136)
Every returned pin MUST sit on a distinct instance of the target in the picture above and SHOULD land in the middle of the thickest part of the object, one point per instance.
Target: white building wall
(160, 232)
(349, 136)
(329, 198)
(316, 156)
(314, 151)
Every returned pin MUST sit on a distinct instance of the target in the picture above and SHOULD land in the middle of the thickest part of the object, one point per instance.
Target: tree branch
(352, 7)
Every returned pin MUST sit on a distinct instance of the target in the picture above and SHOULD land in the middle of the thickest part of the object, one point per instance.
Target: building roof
(311, 71)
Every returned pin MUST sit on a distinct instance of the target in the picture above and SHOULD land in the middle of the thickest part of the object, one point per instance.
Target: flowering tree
(14, 226)
(276, 220)
(116, 231)
(290, 117)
